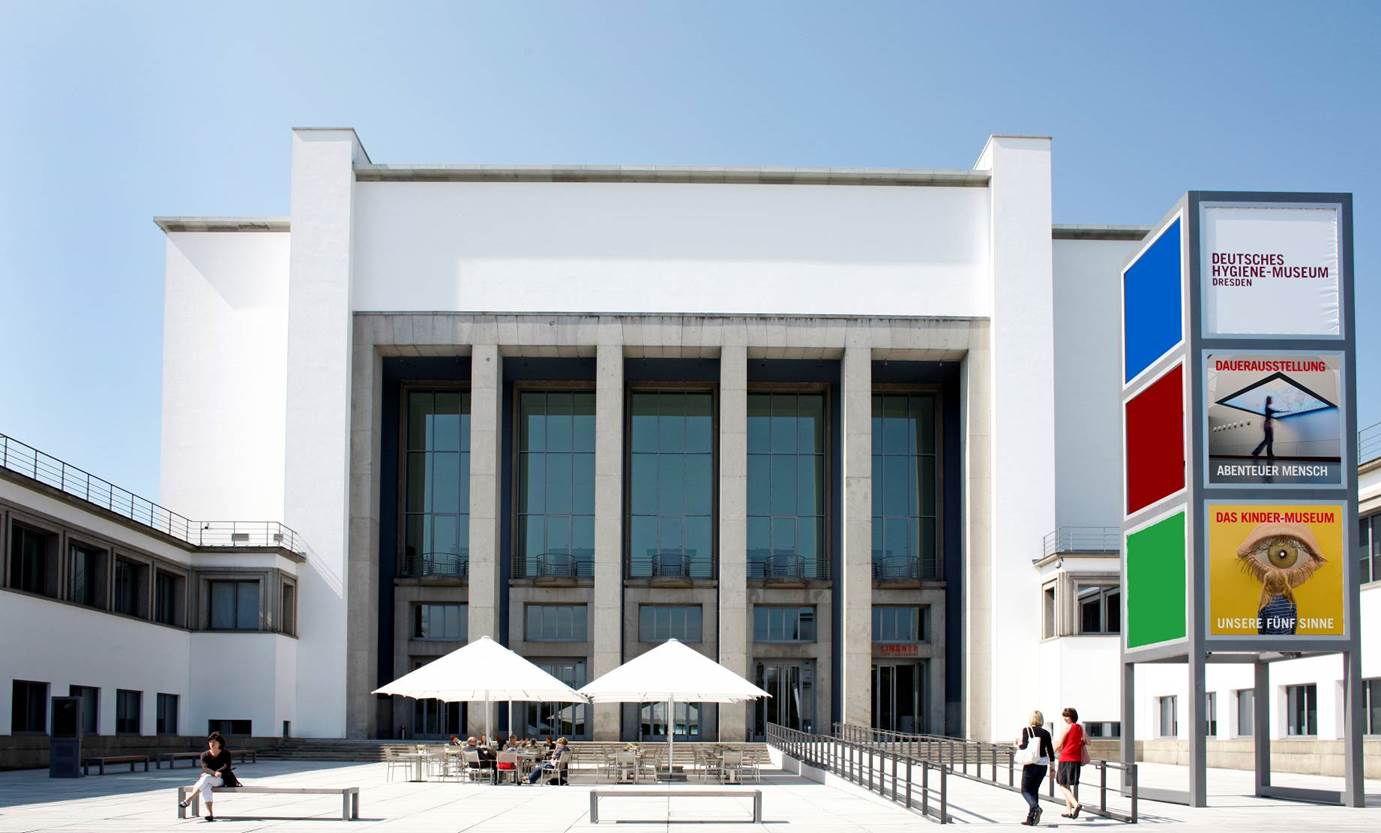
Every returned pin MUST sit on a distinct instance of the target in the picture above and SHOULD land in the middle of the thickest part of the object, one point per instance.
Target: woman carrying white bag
(1035, 751)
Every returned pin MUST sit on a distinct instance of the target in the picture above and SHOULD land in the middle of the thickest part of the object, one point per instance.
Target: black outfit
(1033, 774)
(1269, 441)
(220, 765)
(487, 757)
(1068, 773)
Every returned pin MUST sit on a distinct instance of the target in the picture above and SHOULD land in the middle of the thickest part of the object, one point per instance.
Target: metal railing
(994, 764)
(670, 564)
(913, 782)
(786, 566)
(1082, 539)
(427, 564)
(902, 568)
(29, 462)
(554, 565)
(1369, 443)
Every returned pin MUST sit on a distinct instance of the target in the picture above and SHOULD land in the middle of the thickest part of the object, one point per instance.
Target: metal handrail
(846, 759)
(670, 564)
(899, 568)
(1082, 539)
(28, 462)
(437, 564)
(970, 758)
(1369, 443)
(786, 566)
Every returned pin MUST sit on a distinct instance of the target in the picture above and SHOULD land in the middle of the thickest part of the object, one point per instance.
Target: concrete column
(856, 572)
(607, 621)
(975, 381)
(733, 530)
(317, 415)
(486, 407)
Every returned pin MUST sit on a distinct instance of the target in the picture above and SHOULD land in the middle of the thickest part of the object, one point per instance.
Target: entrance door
(792, 704)
(900, 696)
(436, 719)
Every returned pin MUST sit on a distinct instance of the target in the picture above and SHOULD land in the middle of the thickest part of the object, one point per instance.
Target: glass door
(792, 686)
(436, 719)
(570, 720)
(900, 696)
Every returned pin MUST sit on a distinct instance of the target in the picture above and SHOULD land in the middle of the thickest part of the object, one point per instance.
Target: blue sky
(111, 113)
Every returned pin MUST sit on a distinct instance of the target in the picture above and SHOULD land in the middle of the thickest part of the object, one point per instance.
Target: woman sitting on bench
(215, 772)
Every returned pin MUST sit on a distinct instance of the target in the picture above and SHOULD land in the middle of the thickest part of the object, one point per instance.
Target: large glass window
(658, 623)
(128, 706)
(167, 714)
(29, 707)
(437, 474)
(559, 719)
(167, 598)
(1246, 712)
(440, 621)
(1302, 709)
(86, 575)
(555, 623)
(782, 623)
(905, 487)
(901, 623)
(671, 484)
(556, 484)
(786, 486)
(131, 587)
(33, 554)
(1100, 608)
(234, 605)
(91, 707)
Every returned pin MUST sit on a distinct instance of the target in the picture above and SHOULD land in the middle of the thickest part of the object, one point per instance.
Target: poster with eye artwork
(1276, 570)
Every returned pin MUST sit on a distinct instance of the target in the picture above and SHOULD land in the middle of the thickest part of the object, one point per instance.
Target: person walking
(1073, 755)
(1035, 751)
(216, 771)
(1268, 442)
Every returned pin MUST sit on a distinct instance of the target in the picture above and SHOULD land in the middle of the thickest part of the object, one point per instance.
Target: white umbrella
(666, 674)
(483, 671)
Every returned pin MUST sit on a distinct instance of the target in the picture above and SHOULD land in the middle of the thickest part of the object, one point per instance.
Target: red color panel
(1154, 450)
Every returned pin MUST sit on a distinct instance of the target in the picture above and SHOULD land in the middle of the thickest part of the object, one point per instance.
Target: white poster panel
(1271, 270)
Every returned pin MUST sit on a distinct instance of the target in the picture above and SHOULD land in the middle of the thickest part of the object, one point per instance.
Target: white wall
(243, 676)
(1078, 671)
(644, 247)
(225, 323)
(1088, 419)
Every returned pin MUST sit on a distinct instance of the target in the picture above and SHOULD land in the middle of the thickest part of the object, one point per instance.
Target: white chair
(473, 771)
(392, 761)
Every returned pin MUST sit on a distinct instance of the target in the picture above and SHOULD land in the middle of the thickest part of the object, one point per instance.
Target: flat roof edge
(1087, 232)
(171, 224)
(671, 174)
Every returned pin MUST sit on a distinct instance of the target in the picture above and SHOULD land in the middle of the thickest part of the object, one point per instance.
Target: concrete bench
(349, 797)
(114, 759)
(596, 795)
(246, 756)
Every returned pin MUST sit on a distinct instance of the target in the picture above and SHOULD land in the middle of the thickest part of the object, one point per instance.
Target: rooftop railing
(27, 461)
(1076, 539)
(1369, 443)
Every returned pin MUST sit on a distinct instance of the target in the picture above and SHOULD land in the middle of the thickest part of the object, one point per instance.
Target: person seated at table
(486, 755)
(455, 741)
(513, 743)
(547, 743)
(558, 760)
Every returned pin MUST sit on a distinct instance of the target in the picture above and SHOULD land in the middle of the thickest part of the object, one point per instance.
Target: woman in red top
(1071, 759)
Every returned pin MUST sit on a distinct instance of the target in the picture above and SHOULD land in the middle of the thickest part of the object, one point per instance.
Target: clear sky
(111, 113)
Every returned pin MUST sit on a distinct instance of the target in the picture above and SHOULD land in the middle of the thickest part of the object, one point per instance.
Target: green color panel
(1155, 583)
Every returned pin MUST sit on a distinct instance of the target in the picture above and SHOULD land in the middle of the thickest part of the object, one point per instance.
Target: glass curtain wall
(437, 484)
(786, 486)
(905, 487)
(556, 485)
(671, 484)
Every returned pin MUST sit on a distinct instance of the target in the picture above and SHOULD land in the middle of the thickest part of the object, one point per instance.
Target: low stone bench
(349, 797)
(114, 759)
(596, 795)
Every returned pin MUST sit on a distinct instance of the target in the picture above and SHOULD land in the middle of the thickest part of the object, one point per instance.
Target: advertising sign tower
(1240, 457)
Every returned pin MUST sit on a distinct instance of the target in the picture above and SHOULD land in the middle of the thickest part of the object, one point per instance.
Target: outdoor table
(418, 760)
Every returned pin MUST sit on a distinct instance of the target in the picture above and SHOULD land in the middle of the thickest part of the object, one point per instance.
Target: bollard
(925, 788)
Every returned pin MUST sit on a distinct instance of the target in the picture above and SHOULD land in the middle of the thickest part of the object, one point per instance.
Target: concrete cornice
(171, 224)
(1087, 232)
(677, 174)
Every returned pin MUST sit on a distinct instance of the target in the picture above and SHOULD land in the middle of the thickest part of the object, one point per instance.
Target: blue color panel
(1151, 316)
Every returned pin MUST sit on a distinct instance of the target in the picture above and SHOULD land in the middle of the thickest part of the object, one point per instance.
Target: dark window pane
(222, 604)
(810, 425)
(558, 483)
(699, 423)
(671, 484)
(247, 611)
(759, 423)
(532, 489)
(644, 418)
(643, 487)
(759, 484)
(583, 484)
(583, 422)
(783, 424)
(671, 423)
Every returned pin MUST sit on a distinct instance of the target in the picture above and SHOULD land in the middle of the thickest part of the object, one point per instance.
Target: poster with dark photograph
(1274, 418)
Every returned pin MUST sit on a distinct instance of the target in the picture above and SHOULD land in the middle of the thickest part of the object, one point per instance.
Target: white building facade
(853, 434)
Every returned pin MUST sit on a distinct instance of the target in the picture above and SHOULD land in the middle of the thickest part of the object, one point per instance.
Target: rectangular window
(671, 484)
(906, 485)
(131, 587)
(445, 622)
(86, 575)
(1246, 712)
(29, 707)
(1103, 728)
(556, 485)
(128, 706)
(786, 486)
(1302, 710)
(234, 605)
(1169, 716)
(658, 623)
(167, 714)
(436, 472)
(555, 623)
(33, 566)
(1048, 612)
(1099, 610)
(1211, 713)
(288, 619)
(91, 707)
(780, 623)
(901, 623)
(652, 721)
(1371, 705)
(229, 728)
(1364, 559)
(168, 597)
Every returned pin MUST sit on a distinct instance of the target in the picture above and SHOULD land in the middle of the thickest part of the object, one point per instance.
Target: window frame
(1239, 695)
(122, 695)
(626, 450)
(1371, 703)
(106, 580)
(180, 601)
(144, 590)
(1050, 610)
(43, 699)
(34, 524)
(208, 595)
(1173, 701)
(160, 716)
(416, 620)
(787, 615)
(936, 391)
(653, 607)
(825, 544)
(405, 391)
(1106, 588)
(528, 608)
(1309, 692)
(922, 624)
(525, 386)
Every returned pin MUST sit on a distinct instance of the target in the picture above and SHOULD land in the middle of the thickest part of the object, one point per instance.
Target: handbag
(1031, 753)
(1083, 752)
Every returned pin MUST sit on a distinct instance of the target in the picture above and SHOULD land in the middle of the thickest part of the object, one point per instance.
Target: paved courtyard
(30, 801)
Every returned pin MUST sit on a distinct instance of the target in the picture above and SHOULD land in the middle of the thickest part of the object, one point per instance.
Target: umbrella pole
(511, 730)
